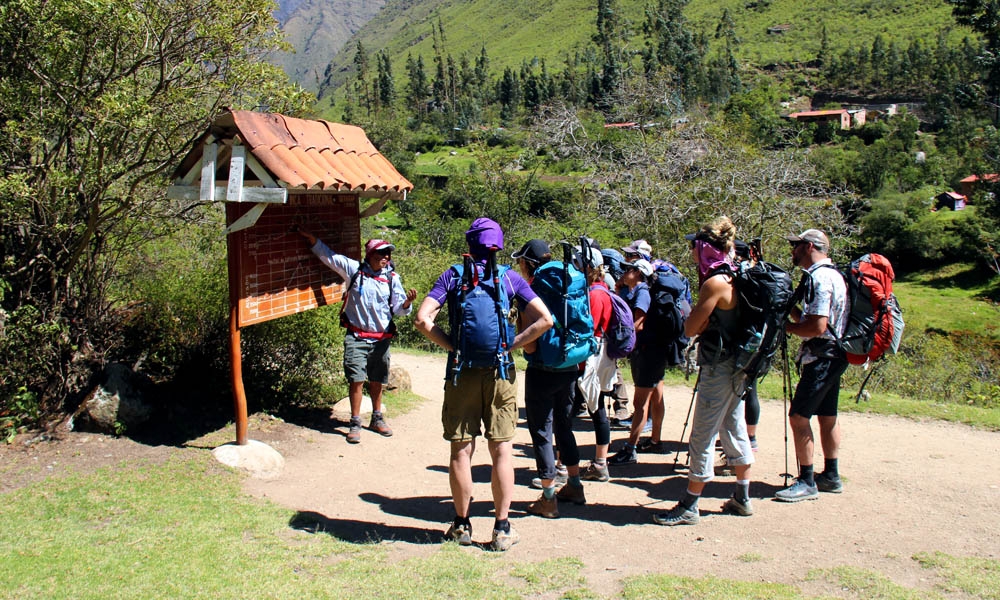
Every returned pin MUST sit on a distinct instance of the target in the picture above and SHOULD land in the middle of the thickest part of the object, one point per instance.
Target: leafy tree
(983, 16)
(99, 100)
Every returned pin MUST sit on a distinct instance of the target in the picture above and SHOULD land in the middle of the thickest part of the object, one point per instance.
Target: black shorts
(818, 388)
(648, 366)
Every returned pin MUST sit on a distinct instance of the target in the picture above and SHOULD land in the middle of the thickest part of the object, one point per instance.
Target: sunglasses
(798, 243)
(384, 252)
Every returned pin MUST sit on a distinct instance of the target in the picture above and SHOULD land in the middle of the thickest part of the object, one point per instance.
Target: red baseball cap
(378, 246)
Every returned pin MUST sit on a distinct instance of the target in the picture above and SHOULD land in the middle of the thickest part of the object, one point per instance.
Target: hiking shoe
(648, 446)
(738, 507)
(596, 472)
(625, 456)
(502, 541)
(627, 424)
(572, 493)
(621, 414)
(461, 533)
(799, 491)
(678, 515)
(560, 479)
(354, 433)
(830, 484)
(378, 425)
(544, 507)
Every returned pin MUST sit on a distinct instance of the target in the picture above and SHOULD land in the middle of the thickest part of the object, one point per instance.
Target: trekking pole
(861, 390)
(786, 386)
(687, 418)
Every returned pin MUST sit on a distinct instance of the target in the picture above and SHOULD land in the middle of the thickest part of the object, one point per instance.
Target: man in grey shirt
(820, 322)
(374, 296)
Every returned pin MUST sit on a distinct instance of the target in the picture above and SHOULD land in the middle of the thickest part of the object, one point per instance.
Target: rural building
(846, 118)
(972, 182)
(949, 200)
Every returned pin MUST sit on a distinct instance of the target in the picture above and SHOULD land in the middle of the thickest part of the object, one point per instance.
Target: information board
(272, 270)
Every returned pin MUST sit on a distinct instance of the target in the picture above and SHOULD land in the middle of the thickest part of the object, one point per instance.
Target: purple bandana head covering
(483, 235)
(709, 258)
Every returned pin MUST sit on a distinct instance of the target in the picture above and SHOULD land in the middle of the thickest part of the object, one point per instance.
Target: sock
(575, 481)
(601, 461)
(355, 419)
(549, 492)
(742, 490)
(690, 501)
(806, 474)
(501, 525)
(830, 467)
(462, 521)
(753, 438)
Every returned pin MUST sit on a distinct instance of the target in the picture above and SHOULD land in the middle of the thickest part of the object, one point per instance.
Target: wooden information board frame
(272, 271)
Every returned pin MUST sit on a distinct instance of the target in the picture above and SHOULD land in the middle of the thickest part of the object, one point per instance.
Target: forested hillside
(513, 32)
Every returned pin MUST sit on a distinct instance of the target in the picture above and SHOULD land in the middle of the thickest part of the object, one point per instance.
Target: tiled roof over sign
(316, 154)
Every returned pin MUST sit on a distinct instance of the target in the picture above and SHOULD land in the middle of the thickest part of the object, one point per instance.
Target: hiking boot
(828, 483)
(648, 446)
(354, 433)
(596, 472)
(625, 456)
(572, 493)
(678, 515)
(461, 533)
(544, 507)
(738, 507)
(560, 480)
(799, 491)
(378, 425)
(502, 541)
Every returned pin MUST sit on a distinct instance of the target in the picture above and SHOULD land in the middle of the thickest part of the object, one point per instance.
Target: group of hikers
(572, 340)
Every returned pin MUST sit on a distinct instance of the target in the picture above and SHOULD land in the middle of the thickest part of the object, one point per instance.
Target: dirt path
(910, 487)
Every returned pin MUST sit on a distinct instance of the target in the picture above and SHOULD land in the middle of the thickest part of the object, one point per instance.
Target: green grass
(955, 298)
(443, 162)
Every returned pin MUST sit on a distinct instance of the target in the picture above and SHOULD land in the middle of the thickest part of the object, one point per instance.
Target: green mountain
(512, 31)
(317, 30)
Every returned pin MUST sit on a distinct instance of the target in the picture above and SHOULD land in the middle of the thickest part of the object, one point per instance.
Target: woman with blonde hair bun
(718, 409)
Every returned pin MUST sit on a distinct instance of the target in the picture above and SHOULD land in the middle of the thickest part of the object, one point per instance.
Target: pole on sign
(235, 353)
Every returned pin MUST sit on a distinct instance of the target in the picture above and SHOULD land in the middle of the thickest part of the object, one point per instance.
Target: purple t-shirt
(515, 286)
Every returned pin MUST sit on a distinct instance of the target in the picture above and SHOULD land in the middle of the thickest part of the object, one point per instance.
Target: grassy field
(184, 529)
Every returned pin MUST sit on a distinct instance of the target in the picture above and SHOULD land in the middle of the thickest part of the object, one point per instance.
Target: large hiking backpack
(764, 296)
(478, 314)
(875, 320)
(669, 305)
(619, 338)
(570, 341)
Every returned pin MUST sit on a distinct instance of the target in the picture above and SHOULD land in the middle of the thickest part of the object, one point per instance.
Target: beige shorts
(480, 398)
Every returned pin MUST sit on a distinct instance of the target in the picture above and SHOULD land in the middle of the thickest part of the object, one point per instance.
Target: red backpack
(875, 320)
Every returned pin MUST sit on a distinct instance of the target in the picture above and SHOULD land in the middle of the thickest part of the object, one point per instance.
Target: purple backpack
(619, 339)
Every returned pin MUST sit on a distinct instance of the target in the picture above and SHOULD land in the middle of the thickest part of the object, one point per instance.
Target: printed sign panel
(272, 270)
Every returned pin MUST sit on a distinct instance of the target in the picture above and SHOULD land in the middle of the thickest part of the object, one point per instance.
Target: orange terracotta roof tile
(316, 154)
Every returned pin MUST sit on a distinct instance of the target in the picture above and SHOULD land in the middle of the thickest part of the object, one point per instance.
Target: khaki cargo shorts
(480, 398)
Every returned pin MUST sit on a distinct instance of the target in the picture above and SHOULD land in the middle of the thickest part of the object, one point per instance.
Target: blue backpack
(670, 305)
(478, 314)
(619, 339)
(563, 289)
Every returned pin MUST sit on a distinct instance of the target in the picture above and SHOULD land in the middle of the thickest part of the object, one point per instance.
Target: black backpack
(764, 294)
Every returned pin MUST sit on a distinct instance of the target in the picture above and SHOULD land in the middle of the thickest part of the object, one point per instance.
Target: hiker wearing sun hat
(373, 298)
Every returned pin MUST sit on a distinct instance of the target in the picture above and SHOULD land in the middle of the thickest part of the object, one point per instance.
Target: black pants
(548, 402)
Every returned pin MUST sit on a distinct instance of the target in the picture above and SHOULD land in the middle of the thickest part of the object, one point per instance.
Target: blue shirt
(366, 306)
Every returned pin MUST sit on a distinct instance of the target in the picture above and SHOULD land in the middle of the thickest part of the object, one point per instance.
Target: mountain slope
(517, 30)
(318, 29)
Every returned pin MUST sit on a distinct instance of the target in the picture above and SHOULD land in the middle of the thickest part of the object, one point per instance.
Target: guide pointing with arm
(373, 298)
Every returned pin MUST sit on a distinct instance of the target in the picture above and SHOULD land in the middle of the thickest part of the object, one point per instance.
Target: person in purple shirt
(476, 397)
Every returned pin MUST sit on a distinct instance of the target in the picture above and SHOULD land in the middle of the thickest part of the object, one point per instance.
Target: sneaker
(737, 507)
(798, 492)
(627, 424)
(461, 533)
(625, 456)
(753, 444)
(648, 446)
(596, 472)
(572, 493)
(560, 480)
(378, 425)
(621, 414)
(830, 484)
(545, 507)
(502, 541)
(354, 433)
(678, 515)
